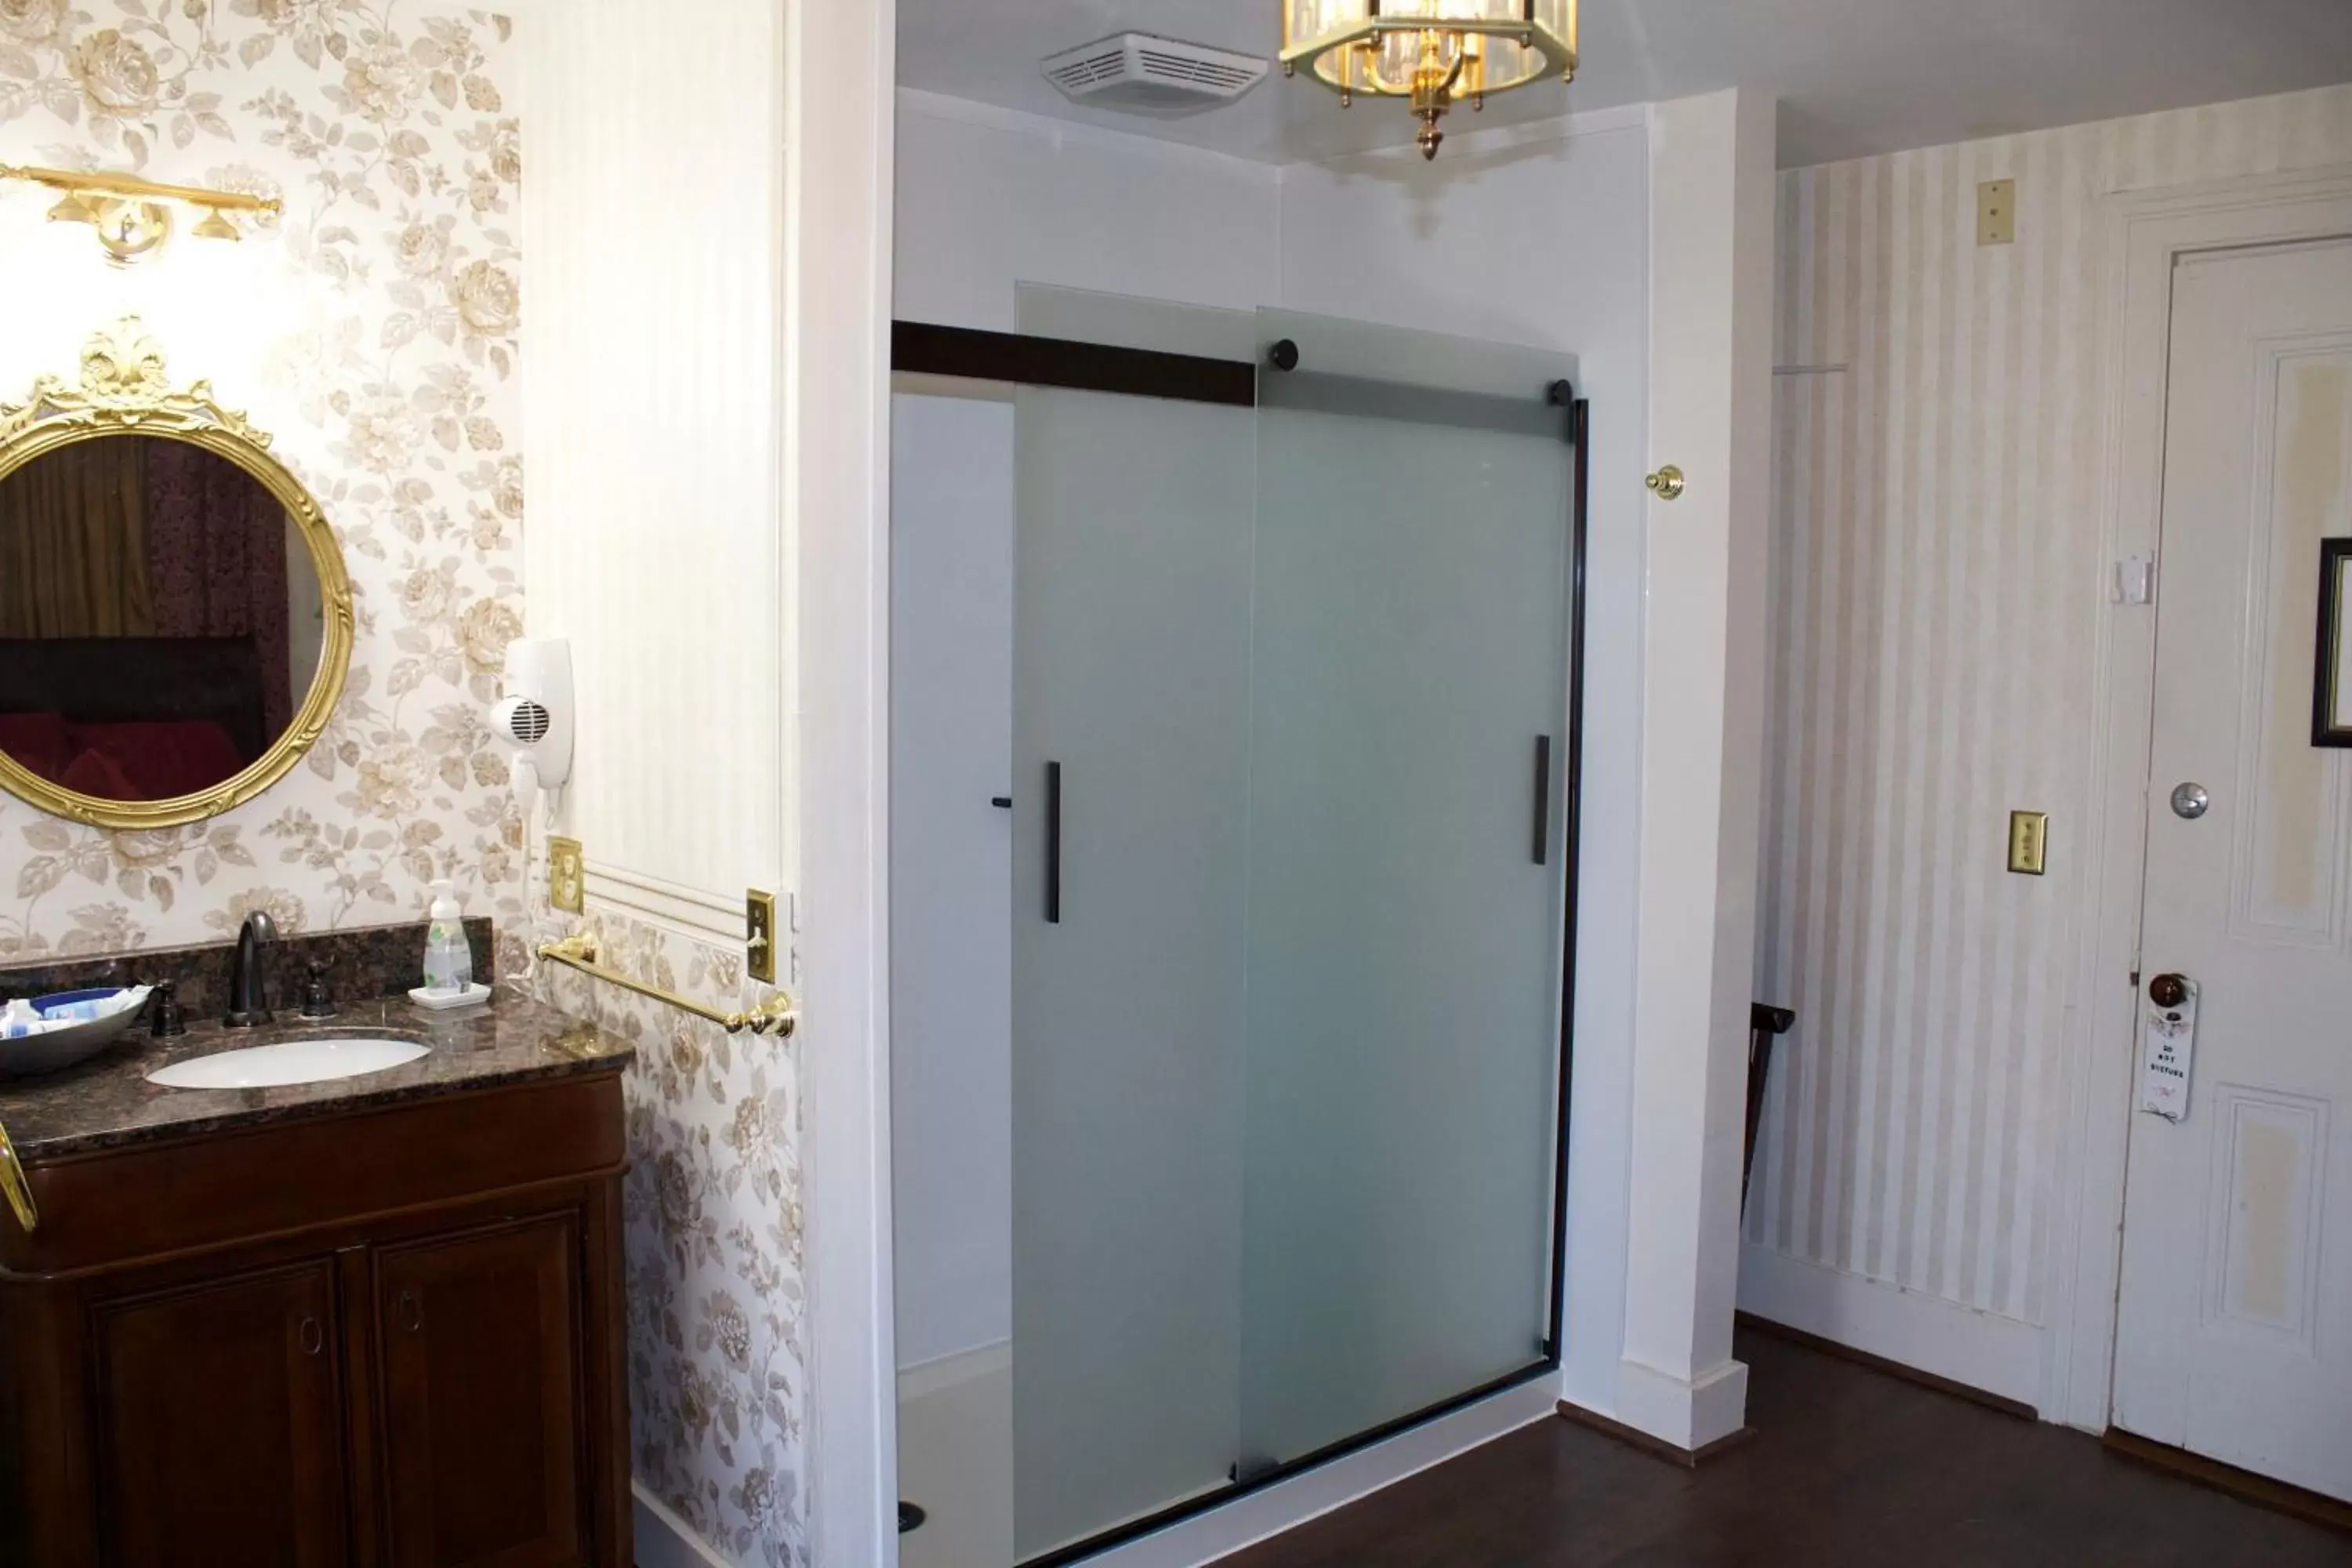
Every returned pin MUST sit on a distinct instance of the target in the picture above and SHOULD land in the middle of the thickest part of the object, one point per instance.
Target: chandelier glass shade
(1431, 53)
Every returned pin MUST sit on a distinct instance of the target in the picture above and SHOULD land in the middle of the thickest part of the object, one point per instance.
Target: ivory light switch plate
(2029, 841)
(567, 876)
(1997, 212)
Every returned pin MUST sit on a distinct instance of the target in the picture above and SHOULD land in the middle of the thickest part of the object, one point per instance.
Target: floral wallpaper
(393, 288)
(717, 1363)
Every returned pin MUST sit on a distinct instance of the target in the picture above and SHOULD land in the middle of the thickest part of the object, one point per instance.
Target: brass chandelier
(1433, 53)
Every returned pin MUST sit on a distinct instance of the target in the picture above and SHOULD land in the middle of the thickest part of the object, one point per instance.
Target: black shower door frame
(921, 348)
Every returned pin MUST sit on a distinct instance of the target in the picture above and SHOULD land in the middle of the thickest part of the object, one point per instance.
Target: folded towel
(23, 1018)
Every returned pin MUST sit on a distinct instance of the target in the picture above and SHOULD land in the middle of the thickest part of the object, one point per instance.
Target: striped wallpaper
(1935, 587)
(656, 416)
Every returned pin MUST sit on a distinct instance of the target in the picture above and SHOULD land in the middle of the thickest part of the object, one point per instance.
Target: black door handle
(1002, 802)
(1542, 837)
(1054, 844)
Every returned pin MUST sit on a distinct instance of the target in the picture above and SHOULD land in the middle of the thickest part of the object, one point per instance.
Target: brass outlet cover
(759, 935)
(1997, 212)
(567, 876)
(2028, 842)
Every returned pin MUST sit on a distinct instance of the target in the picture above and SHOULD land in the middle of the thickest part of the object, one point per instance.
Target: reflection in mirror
(161, 617)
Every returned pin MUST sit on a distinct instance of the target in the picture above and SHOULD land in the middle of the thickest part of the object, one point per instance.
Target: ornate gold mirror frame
(123, 391)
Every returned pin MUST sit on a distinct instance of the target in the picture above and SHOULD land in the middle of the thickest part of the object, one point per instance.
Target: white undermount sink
(296, 1061)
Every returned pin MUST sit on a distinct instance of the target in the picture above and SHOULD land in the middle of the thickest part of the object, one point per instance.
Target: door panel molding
(2263, 912)
(2271, 1160)
(2145, 235)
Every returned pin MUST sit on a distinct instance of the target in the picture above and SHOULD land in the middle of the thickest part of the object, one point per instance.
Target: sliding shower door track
(1078, 1551)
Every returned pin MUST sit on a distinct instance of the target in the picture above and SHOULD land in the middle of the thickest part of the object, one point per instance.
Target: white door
(2234, 1329)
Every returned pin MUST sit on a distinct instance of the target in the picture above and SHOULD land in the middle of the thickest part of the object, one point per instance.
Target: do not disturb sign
(2168, 1040)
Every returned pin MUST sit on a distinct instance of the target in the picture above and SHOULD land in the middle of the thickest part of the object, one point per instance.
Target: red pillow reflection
(152, 760)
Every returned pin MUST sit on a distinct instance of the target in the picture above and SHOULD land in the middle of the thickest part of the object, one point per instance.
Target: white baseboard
(663, 1539)
(2000, 1355)
(955, 1367)
(1686, 1416)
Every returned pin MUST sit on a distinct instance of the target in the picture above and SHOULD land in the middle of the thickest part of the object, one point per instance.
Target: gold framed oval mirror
(175, 616)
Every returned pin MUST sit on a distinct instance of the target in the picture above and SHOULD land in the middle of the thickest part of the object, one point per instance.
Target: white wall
(1702, 744)
(1539, 235)
(988, 198)
(839, 137)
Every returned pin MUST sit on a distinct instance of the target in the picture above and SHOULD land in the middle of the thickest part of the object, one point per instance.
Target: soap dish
(472, 996)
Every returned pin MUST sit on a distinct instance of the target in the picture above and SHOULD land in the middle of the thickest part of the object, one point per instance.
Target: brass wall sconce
(134, 216)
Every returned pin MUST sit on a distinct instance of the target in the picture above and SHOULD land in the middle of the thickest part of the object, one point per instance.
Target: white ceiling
(1854, 76)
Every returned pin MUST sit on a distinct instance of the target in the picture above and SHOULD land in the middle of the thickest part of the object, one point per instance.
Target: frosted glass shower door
(1131, 763)
(1409, 682)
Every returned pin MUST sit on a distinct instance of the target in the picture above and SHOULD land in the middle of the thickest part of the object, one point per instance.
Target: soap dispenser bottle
(448, 958)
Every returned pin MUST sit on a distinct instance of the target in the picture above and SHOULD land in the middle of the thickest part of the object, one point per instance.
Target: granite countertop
(107, 1102)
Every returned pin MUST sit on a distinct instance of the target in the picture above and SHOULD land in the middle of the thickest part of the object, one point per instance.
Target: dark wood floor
(1847, 1465)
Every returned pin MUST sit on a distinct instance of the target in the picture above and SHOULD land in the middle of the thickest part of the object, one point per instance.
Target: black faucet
(249, 992)
(318, 1001)
(163, 1013)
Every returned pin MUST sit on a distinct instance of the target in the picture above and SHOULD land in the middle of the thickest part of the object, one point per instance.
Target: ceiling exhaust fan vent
(1136, 70)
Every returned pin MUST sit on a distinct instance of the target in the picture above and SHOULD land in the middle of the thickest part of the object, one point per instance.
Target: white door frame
(2145, 235)
(840, 60)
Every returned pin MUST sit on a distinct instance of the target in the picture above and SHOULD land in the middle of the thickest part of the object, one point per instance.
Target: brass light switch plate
(2029, 841)
(1997, 212)
(759, 935)
(567, 875)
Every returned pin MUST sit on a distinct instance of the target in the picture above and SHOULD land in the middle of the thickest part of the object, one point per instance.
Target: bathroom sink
(296, 1061)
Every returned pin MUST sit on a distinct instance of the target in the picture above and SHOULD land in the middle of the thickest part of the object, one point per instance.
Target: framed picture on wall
(2331, 703)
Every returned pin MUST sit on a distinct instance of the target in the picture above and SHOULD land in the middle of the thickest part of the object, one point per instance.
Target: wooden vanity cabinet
(428, 1378)
(481, 1404)
(219, 1417)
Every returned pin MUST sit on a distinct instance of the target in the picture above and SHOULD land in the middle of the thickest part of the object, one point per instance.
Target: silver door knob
(2191, 802)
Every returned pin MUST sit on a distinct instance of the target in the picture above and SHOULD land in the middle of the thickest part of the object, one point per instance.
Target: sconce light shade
(217, 226)
(130, 231)
(71, 208)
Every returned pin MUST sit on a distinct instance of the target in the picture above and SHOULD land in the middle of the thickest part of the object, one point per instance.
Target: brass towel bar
(19, 1190)
(776, 1016)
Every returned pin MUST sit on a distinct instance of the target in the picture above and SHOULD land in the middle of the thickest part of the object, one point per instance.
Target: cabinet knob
(311, 1336)
(408, 1312)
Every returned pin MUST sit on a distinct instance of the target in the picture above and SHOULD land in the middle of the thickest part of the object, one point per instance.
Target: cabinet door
(221, 1425)
(481, 1398)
